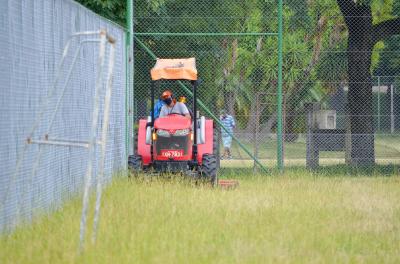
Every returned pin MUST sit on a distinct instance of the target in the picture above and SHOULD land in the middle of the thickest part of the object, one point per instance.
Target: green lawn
(386, 147)
(298, 218)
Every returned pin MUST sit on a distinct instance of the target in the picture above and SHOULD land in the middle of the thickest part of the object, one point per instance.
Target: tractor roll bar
(194, 87)
(154, 84)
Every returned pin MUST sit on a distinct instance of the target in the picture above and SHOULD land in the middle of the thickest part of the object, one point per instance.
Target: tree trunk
(290, 118)
(360, 93)
(360, 44)
(251, 124)
(271, 123)
(229, 99)
(362, 37)
(254, 117)
(300, 86)
(229, 94)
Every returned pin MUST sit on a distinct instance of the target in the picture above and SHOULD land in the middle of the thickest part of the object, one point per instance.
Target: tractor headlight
(182, 132)
(163, 133)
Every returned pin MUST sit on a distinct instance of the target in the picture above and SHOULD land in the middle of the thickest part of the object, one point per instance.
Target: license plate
(172, 153)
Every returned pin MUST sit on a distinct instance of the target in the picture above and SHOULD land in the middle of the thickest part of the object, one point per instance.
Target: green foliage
(315, 38)
(114, 10)
(375, 58)
(382, 10)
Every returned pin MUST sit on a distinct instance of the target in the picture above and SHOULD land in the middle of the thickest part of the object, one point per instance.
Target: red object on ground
(228, 184)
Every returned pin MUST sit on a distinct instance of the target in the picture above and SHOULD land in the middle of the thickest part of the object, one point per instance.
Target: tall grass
(299, 217)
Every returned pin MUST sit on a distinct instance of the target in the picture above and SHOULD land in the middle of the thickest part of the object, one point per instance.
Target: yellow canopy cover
(174, 69)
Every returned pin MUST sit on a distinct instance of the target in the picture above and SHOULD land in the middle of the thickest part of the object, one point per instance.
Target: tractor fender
(148, 131)
(143, 149)
(207, 147)
(201, 130)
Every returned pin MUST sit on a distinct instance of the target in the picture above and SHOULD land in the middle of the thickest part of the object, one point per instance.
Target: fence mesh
(340, 84)
(339, 55)
(32, 38)
(232, 53)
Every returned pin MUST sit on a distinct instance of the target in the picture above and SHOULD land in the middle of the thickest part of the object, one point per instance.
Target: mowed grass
(387, 147)
(298, 217)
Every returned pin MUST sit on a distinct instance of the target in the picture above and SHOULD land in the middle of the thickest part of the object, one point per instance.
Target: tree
(312, 30)
(363, 34)
(112, 9)
(239, 67)
(115, 10)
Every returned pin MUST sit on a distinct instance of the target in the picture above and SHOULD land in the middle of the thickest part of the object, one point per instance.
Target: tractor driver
(173, 107)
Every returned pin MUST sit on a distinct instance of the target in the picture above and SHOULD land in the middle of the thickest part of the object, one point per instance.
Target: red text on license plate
(172, 153)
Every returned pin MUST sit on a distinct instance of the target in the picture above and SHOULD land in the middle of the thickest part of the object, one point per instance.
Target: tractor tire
(136, 133)
(209, 168)
(135, 164)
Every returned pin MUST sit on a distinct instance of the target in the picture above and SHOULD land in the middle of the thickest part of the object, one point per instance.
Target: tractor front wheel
(209, 168)
(135, 164)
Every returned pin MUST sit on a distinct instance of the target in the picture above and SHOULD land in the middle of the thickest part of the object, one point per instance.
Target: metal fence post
(280, 84)
(130, 140)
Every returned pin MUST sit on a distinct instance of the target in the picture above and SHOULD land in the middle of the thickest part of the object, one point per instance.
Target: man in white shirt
(229, 123)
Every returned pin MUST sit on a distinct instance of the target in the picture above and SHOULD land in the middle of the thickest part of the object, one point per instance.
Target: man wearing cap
(172, 107)
(229, 124)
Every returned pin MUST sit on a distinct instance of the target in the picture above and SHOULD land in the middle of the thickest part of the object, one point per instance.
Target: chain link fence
(339, 55)
(37, 178)
(351, 75)
(236, 57)
(340, 93)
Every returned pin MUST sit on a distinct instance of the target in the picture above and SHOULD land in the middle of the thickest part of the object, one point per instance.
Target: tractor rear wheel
(135, 164)
(209, 168)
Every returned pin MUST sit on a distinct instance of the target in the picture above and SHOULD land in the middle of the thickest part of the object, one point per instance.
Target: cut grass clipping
(293, 218)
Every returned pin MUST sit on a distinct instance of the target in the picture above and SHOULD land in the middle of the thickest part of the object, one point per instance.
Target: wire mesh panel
(32, 43)
(339, 54)
(348, 52)
(235, 46)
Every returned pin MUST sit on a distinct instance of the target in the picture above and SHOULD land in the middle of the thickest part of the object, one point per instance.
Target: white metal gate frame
(103, 39)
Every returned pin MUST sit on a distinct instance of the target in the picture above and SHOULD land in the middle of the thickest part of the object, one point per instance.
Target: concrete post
(348, 135)
(391, 110)
(312, 153)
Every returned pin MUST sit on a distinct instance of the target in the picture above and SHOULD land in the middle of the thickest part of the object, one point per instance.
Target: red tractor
(174, 143)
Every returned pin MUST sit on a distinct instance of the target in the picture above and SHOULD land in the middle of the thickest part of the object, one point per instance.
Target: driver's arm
(163, 111)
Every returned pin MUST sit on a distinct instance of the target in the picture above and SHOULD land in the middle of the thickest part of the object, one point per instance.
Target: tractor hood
(172, 123)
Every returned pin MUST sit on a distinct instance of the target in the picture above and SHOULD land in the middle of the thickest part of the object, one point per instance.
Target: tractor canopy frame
(176, 70)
